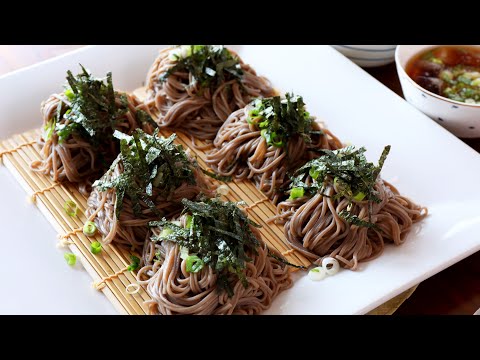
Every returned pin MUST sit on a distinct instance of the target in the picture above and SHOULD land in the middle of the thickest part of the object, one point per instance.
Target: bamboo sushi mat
(109, 268)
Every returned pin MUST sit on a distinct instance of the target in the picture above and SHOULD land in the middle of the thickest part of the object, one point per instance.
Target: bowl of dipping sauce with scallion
(443, 81)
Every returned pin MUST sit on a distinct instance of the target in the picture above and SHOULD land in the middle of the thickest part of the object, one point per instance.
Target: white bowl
(368, 55)
(461, 119)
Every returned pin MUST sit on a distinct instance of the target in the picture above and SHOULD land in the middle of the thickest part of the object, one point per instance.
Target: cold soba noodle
(211, 261)
(77, 142)
(148, 180)
(340, 207)
(267, 140)
(196, 87)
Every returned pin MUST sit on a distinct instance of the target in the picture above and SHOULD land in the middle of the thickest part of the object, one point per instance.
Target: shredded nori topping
(149, 162)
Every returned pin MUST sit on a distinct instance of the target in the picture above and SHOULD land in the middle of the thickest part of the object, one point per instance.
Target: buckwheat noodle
(176, 291)
(241, 152)
(198, 111)
(314, 228)
(130, 229)
(76, 159)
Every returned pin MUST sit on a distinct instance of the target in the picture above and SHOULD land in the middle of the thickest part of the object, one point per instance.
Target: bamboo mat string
(99, 285)
(15, 149)
(250, 207)
(288, 252)
(63, 239)
(33, 197)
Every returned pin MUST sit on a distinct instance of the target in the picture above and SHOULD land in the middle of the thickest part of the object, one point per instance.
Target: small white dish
(460, 118)
(368, 55)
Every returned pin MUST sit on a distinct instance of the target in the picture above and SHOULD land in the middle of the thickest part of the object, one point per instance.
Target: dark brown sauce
(450, 71)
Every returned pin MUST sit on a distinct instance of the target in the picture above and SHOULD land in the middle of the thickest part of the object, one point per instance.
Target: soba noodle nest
(176, 291)
(77, 159)
(129, 228)
(241, 152)
(314, 227)
(184, 104)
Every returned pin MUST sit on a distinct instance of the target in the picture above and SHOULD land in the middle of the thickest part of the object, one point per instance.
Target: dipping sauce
(449, 71)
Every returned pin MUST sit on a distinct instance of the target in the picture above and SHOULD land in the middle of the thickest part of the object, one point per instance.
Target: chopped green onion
(475, 82)
(165, 232)
(183, 252)
(359, 196)
(313, 173)
(70, 208)
(330, 265)
(197, 48)
(70, 258)
(135, 263)
(194, 264)
(253, 113)
(68, 111)
(69, 94)
(189, 222)
(296, 193)
(89, 228)
(95, 247)
(317, 274)
(48, 129)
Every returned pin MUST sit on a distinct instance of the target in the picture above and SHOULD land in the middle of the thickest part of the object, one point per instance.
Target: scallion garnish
(189, 221)
(135, 263)
(70, 258)
(279, 119)
(70, 208)
(95, 247)
(194, 264)
(353, 178)
(208, 65)
(296, 193)
(89, 229)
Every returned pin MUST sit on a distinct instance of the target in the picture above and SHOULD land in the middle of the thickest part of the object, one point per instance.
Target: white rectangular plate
(426, 163)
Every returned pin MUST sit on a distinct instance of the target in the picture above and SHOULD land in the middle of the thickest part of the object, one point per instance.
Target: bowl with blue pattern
(368, 55)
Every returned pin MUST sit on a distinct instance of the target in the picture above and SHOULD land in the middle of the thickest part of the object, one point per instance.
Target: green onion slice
(189, 222)
(95, 247)
(69, 94)
(296, 192)
(70, 258)
(70, 208)
(359, 196)
(313, 173)
(135, 263)
(194, 264)
(89, 228)
(183, 252)
(165, 232)
(48, 130)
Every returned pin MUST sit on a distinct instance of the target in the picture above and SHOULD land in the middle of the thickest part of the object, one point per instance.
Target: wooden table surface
(455, 290)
